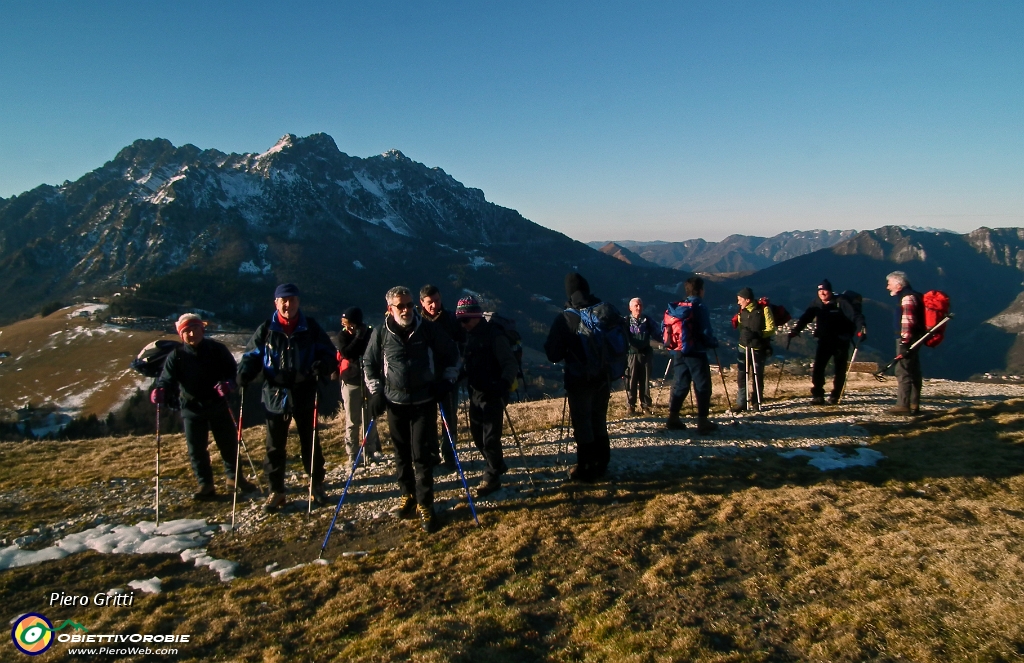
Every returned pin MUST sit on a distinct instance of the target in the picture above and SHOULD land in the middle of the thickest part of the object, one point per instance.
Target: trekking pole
(847, 378)
(158, 465)
(238, 453)
(351, 473)
(746, 374)
(721, 374)
(757, 385)
(312, 451)
(880, 375)
(664, 379)
(781, 368)
(238, 425)
(561, 428)
(515, 436)
(458, 464)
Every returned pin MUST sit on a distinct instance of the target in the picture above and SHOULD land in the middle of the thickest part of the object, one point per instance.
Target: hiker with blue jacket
(587, 387)
(291, 352)
(689, 356)
(640, 357)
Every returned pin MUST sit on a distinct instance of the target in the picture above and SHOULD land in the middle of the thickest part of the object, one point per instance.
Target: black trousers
(277, 435)
(197, 431)
(414, 436)
(839, 352)
(638, 376)
(908, 380)
(588, 410)
(486, 414)
(757, 375)
(689, 369)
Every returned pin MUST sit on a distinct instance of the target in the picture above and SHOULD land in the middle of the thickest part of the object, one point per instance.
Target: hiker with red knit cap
(204, 371)
(490, 369)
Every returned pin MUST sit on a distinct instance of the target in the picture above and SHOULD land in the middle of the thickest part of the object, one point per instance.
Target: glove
(242, 382)
(505, 385)
(792, 335)
(736, 321)
(861, 337)
(320, 369)
(157, 397)
(903, 348)
(377, 404)
(224, 388)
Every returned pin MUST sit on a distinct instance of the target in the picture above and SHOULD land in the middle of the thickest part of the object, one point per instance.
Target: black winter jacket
(835, 321)
(752, 326)
(286, 363)
(196, 371)
(563, 344)
(351, 346)
(488, 360)
(407, 364)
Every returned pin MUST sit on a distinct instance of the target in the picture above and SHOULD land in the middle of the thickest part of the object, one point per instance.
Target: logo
(33, 633)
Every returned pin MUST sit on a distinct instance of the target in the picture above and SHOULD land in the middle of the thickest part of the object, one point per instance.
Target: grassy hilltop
(707, 549)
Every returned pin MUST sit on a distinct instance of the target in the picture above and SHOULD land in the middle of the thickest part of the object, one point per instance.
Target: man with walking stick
(292, 352)
(837, 322)
(204, 371)
(410, 365)
(752, 352)
(640, 356)
(910, 309)
(689, 348)
(490, 369)
(352, 341)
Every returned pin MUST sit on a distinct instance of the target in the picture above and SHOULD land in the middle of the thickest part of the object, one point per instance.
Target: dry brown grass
(750, 558)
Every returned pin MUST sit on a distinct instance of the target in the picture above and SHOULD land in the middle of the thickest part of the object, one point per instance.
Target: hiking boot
(241, 484)
(578, 473)
(407, 509)
(900, 410)
(833, 400)
(487, 486)
(818, 400)
(320, 496)
(206, 493)
(674, 422)
(631, 411)
(274, 502)
(428, 519)
(705, 426)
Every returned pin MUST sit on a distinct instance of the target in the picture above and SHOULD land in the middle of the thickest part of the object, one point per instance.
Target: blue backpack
(604, 335)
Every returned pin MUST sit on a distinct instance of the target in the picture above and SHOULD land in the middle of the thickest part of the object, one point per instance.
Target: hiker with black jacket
(837, 322)
(410, 365)
(433, 310)
(588, 396)
(292, 352)
(204, 372)
(490, 369)
(753, 346)
(910, 325)
(640, 357)
(691, 363)
(352, 341)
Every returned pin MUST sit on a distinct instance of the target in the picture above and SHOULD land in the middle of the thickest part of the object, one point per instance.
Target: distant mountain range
(736, 253)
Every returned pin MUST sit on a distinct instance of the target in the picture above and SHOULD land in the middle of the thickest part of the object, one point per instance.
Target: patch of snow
(829, 458)
(285, 141)
(477, 262)
(151, 586)
(86, 308)
(357, 264)
(281, 572)
(224, 568)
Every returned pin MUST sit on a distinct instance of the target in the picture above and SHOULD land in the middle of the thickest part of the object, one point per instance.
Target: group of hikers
(409, 367)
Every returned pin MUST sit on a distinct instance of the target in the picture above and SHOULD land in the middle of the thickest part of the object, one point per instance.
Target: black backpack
(604, 334)
(150, 363)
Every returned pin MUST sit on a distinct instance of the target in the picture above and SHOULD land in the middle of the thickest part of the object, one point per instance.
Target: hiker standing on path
(352, 341)
(204, 371)
(410, 365)
(434, 311)
(909, 318)
(640, 358)
(753, 345)
(588, 396)
(291, 351)
(490, 369)
(691, 363)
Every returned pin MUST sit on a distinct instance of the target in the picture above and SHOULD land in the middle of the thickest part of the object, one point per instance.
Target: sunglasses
(403, 307)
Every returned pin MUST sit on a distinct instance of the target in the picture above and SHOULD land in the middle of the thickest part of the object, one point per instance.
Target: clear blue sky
(616, 120)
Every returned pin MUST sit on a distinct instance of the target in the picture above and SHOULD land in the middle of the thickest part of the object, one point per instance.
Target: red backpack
(936, 307)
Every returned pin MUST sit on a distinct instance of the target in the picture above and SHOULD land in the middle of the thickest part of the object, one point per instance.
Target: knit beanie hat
(353, 314)
(574, 282)
(468, 307)
(286, 290)
(746, 293)
(825, 285)
(187, 320)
